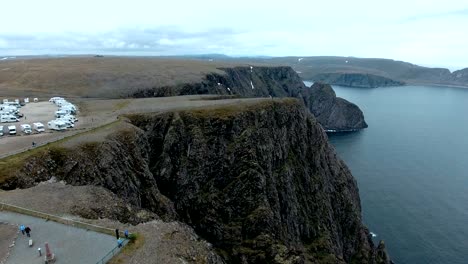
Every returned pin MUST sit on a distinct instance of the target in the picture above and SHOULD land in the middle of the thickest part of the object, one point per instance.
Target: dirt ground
(9, 234)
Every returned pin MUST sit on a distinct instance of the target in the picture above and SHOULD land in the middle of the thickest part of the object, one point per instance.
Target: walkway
(69, 244)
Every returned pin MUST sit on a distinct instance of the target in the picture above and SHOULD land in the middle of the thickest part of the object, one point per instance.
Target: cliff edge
(274, 82)
(258, 181)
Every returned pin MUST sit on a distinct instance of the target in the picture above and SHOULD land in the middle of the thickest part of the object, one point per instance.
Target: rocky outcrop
(265, 82)
(461, 76)
(356, 80)
(260, 182)
(334, 113)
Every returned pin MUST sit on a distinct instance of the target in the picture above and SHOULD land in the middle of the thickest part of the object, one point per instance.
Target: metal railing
(112, 253)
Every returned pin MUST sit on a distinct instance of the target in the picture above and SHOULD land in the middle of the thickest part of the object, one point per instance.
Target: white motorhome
(57, 125)
(60, 113)
(15, 104)
(72, 118)
(9, 108)
(8, 119)
(67, 122)
(26, 100)
(53, 99)
(5, 101)
(38, 127)
(26, 128)
(1, 130)
(12, 130)
(70, 109)
(36, 100)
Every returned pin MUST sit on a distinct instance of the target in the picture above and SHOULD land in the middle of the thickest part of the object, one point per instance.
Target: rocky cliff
(260, 182)
(356, 80)
(334, 113)
(265, 82)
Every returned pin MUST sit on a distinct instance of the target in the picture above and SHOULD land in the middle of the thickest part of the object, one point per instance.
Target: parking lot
(41, 112)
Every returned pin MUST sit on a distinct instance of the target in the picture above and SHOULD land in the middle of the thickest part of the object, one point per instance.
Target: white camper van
(26, 100)
(1, 130)
(57, 125)
(53, 99)
(67, 122)
(12, 130)
(38, 127)
(60, 113)
(36, 100)
(26, 128)
(8, 119)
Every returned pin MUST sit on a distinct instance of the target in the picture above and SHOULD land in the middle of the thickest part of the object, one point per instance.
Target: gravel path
(69, 244)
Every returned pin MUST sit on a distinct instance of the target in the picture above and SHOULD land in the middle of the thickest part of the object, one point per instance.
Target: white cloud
(427, 32)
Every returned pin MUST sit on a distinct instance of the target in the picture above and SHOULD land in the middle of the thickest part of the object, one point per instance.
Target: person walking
(28, 231)
(21, 228)
(126, 233)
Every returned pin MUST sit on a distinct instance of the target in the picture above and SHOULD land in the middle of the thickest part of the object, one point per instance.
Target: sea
(411, 166)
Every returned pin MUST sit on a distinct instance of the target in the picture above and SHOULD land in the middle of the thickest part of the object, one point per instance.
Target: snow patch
(219, 84)
(251, 84)
(298, 72)
(299, 60)
(251, 69)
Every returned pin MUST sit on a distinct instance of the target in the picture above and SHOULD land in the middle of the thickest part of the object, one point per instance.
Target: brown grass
(108, 77)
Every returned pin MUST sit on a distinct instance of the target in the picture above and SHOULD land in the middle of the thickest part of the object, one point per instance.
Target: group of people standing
(26, 230)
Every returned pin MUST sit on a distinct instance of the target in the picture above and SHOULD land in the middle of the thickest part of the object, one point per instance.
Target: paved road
(69, 244)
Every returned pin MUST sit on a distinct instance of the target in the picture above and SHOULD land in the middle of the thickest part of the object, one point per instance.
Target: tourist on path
(21, 228)
(28, 230)
(126, 234)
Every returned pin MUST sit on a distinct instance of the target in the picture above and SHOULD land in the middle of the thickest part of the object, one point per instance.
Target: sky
(429, 33)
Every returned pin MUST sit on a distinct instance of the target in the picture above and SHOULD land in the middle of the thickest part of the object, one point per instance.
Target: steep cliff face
(264, 82)
(334, 113)
(260, 182)
(356, 80)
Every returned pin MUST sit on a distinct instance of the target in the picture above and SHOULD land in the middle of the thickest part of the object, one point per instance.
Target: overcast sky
(431, 33)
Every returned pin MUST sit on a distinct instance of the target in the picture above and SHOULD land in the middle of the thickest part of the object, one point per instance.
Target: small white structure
(36, 100)
(12, 130)
(38, 127)
(26, 100)
(57, 125)
(5, 101)
(26, 128)
(1, 130)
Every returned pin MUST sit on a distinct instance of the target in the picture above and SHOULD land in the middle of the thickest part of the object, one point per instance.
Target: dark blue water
(411, 165)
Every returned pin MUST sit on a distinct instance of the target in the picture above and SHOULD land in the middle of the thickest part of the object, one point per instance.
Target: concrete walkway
(69, 244)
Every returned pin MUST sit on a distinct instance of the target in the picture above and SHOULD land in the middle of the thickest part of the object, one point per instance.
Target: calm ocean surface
(411, 165)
